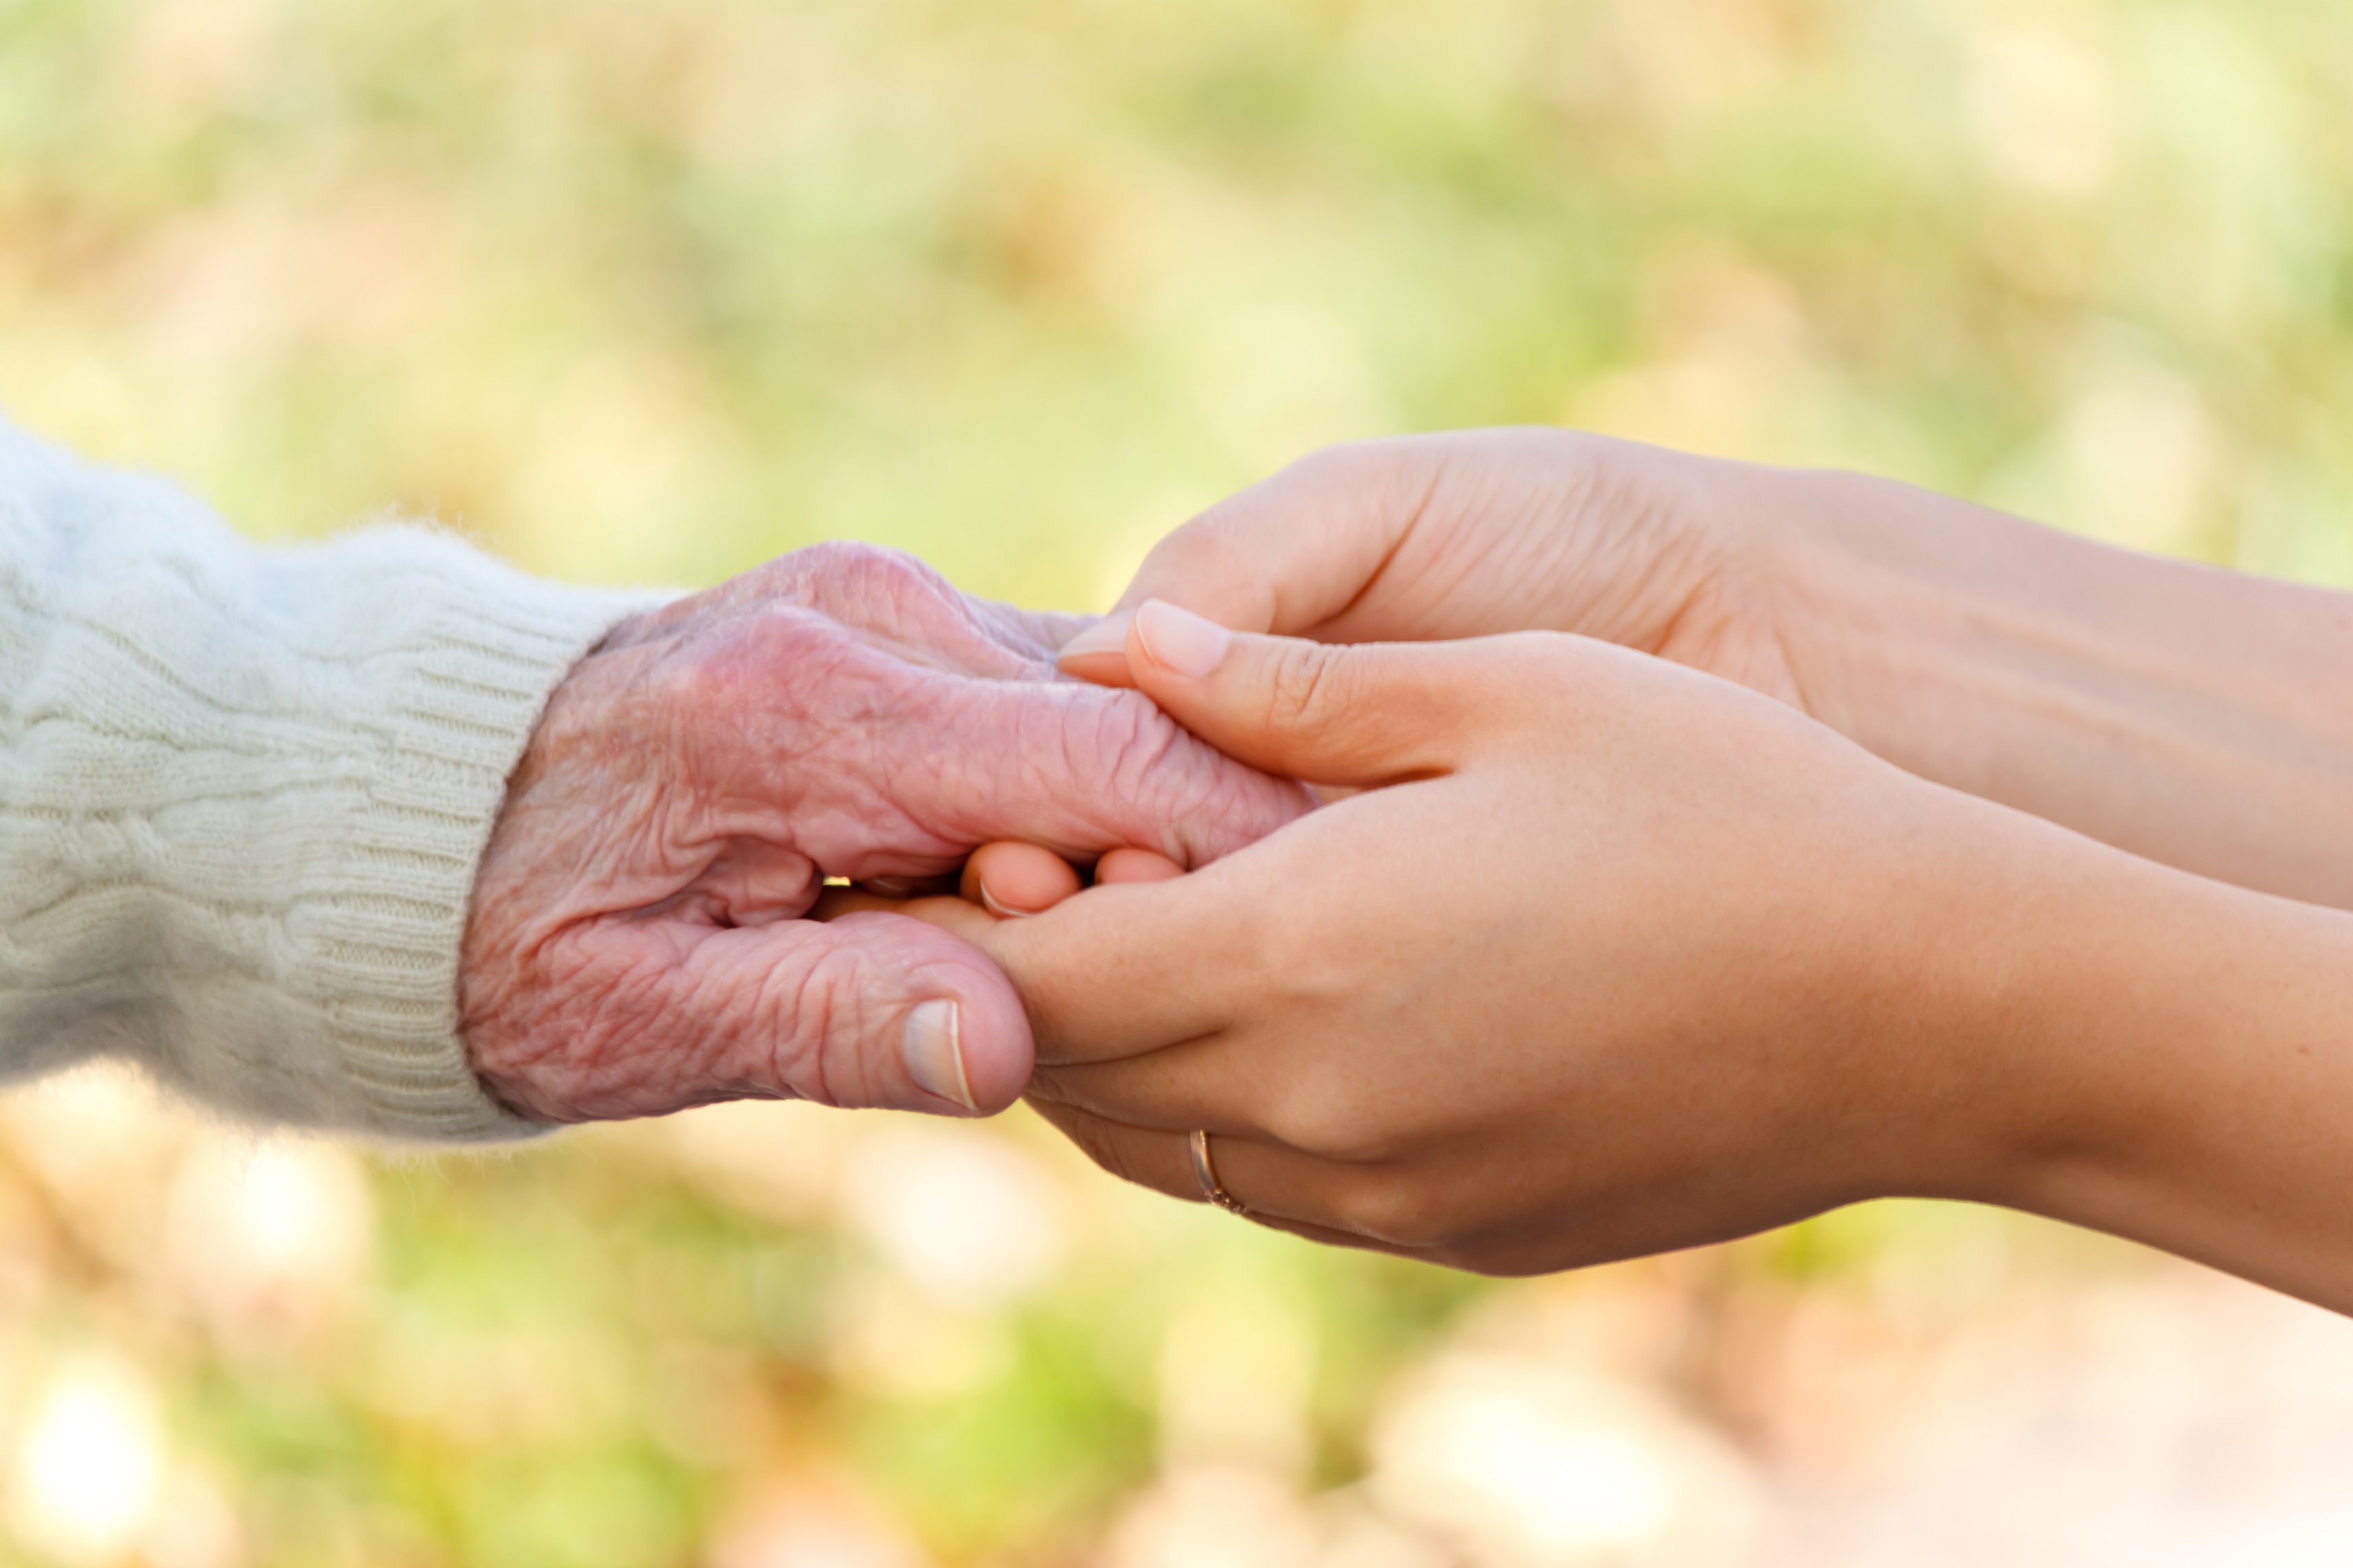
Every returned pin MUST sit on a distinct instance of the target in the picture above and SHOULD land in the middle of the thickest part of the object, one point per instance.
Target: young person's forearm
(2183, 1069)
(2166, 1057)
(2198, 717)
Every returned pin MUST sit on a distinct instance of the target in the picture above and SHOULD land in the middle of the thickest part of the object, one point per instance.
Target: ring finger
(1279, 1188)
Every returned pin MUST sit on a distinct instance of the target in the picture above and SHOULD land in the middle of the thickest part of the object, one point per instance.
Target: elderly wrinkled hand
(637, 941)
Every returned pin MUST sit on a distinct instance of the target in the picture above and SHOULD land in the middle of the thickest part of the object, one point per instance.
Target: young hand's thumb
(1368, 713)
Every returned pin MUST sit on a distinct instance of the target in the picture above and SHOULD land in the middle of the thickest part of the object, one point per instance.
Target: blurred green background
(650, 293)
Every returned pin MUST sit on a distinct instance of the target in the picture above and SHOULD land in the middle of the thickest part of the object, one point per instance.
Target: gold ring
(1207, 1174)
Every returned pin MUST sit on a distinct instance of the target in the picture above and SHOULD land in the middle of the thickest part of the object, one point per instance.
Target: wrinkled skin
(636, 943)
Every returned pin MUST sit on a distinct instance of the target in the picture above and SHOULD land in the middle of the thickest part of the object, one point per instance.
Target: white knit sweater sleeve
(242, 794)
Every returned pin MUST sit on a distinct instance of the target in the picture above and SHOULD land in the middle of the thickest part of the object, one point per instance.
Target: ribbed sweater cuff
(470, 689)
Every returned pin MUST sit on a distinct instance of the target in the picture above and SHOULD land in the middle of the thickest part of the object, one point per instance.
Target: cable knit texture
(242, 794)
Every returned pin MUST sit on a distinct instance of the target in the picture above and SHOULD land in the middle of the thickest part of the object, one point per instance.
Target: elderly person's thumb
(890, 1012)
(870, 1010)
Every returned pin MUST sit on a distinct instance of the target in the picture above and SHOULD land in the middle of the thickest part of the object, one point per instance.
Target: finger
(1016, 880)
(909, 886)
(958, 917)
(1324, 1235)
(1083, 771)
(1097, 978)
(1266, 1179)
(893, 742)
(1335, 715)
(640, 1018)
(1123, 972)
(1228, 1086)
(1135, 866)
(835, 902)
(1280, 1189)
(1013, 880)
(867, 1010)
(1098, 654)
(1100, 987)
(1129, 968)
(1284, 556)
(1114, 972)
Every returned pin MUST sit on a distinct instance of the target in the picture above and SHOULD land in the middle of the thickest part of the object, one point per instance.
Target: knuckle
(1118, 1157)
(1116, 1154)
(1340, 1127)
(899, 575)
(1299, 959)
(1088, 1134)
(735, 667)
(841, 559)
(1213, 547)
(816, 1013)
(1155, 772)
(1147, 782)
(856, 581)
(1347, 464)
(1116, 1150)
(1475, 1256)
(1306, 686)
(1383, 477)
(1137, 778)
(1224, 549)
(794, 577)
(1123, 734)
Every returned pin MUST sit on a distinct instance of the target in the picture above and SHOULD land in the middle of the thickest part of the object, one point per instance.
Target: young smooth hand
(1428, 538)
(2191, 716)
(1610, 957)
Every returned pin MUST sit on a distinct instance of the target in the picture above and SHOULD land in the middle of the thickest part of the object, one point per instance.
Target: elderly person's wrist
(259, 810)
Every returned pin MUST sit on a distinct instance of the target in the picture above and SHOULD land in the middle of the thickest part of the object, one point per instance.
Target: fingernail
(1180, 639)
(1106, 635)
(892, 887)
(934, 1055)
(1002, 912)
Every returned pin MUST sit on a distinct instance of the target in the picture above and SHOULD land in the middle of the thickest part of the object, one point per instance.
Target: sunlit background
(650, 292)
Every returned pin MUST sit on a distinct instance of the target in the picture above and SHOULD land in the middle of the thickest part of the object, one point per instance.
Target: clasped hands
(1606, 941)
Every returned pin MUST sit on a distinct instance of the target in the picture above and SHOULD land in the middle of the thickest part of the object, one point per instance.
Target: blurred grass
(655, 292)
